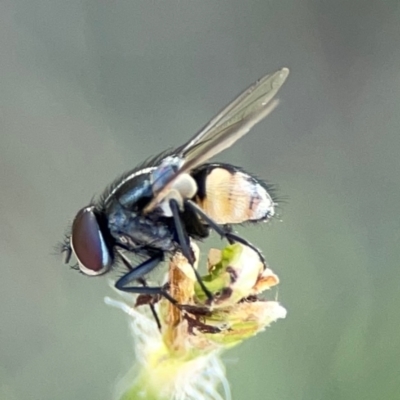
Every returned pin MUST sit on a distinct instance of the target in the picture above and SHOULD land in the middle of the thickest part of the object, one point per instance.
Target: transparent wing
(229, 125)
(244, 109)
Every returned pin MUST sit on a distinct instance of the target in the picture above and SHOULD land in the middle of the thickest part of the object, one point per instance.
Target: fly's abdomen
(231, 196)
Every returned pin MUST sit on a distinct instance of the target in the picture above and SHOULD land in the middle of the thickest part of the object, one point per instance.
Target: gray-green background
(89, 88)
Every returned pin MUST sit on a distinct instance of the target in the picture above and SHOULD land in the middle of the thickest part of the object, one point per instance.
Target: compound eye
(88, 243)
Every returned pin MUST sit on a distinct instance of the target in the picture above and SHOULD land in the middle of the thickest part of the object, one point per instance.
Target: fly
(155, 209)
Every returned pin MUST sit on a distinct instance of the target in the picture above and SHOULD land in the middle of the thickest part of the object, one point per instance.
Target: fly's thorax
(129, 187)
(168, 168)
(137, 230)
(231, 196)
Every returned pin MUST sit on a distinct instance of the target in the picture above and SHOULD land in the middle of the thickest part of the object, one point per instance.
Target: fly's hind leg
(233, 238)
(224, 231)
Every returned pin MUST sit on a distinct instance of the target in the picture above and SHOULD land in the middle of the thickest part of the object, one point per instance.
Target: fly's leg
(184, 242)
(222, 231)
(137, 274)
(232, 238)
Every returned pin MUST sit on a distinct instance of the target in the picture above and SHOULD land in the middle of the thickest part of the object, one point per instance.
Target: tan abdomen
(230, 196)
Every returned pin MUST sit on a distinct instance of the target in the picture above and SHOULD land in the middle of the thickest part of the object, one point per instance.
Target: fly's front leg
(137, 274)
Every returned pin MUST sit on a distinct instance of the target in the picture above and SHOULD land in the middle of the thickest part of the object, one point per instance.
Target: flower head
(182, 360)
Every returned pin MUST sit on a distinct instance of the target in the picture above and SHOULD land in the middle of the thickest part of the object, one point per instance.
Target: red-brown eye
(88, 243)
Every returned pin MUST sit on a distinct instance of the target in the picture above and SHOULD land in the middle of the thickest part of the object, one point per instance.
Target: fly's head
(90, 243)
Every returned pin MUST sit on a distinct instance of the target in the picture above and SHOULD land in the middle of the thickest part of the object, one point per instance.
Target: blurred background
(89, 88)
